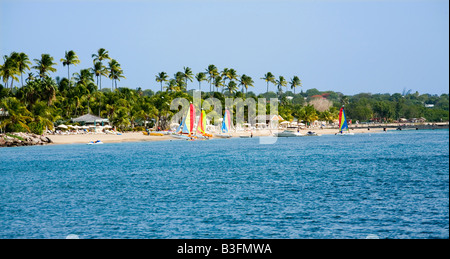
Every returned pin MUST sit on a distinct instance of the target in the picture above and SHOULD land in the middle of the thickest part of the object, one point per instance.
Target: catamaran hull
(345, 134)
(181, 137)
(222, 136)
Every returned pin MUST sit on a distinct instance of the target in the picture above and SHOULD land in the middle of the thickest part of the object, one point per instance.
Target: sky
(347, 46)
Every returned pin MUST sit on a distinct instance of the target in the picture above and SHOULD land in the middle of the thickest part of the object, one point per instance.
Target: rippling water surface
(392, 185)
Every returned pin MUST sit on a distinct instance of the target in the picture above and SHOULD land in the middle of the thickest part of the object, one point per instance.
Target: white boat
(345, 134)
(95, 142)
(311, 133)
(288, 134)
(221, 135)
(180, 136)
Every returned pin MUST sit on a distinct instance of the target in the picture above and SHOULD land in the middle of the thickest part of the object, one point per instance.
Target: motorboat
(95, 142)
(288, 133)
(311, 133)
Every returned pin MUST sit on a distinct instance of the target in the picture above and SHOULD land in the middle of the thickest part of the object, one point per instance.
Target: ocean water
(386, 185)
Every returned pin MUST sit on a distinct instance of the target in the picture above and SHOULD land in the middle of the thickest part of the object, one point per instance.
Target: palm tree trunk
(267, 87)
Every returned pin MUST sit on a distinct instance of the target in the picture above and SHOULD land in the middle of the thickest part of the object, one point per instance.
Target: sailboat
(343, 126)
(226, 126)
(201, 132)
(186, 128)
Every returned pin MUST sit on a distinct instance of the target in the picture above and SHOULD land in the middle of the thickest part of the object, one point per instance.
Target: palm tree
(281, 82)
(246, 81)
(180, 82)
(161, 77)
(44, 65)
(101, 55)
(146, 111)
(48, 90)
(224, 74)
(269, 77)
(218, 82)
(18, 115)
(212, 73)
(231, 87)
(172, 85)
(71, 58)
(307, 114)
(98, 70)
(232, 74)
(85, 77)
(9, 70)
(187, 74)
(30, 77)
(295, 81)
(200, 77)
(115, 72)
(22, 63)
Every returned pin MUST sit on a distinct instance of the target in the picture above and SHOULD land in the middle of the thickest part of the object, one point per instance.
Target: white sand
(139, 136)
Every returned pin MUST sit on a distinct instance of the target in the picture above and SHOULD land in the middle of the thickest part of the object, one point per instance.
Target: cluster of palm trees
(42, 102)
(219, 80)
(16, 64)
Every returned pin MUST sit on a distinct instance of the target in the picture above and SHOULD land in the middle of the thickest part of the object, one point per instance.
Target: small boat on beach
(343, 126)
(97, 142)
(226, 126)
(186, 129)
(288, 134)
(311, 133)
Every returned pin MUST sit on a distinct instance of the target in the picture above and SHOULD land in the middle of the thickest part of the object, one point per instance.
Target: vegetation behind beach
(31, 100)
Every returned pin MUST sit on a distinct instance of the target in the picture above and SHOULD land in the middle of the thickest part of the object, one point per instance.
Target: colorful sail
(201, 123)
(189, 120)
(226, 123)
(342, 120)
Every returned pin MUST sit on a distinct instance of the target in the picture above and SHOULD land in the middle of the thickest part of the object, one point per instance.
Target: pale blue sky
(376, 46)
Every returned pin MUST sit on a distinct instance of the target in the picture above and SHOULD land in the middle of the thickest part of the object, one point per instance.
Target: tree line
(39, 101)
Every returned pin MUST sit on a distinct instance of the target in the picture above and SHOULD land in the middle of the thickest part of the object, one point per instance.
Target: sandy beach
(139, 136)
(105, 138)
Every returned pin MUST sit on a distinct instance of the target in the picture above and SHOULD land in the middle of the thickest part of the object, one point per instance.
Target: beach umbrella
(62, 126)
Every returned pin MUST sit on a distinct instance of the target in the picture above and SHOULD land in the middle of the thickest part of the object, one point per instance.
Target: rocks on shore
(18, 139)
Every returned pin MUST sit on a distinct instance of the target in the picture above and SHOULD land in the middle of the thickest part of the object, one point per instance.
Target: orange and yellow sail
(201, 123)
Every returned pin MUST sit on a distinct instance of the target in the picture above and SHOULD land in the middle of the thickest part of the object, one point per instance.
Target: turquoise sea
(386, 185)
